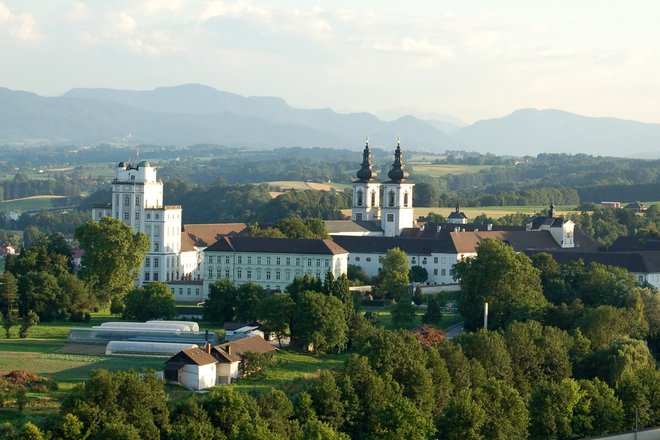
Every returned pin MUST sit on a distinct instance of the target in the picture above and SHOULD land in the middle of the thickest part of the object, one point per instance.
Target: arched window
(405, 200)
(137, 200)
(359, 198)
(390, 198)
(373, 198)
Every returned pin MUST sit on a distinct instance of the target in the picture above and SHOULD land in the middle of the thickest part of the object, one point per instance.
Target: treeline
(22, 186)
(221, 202)
(606, 224)
(620, 193)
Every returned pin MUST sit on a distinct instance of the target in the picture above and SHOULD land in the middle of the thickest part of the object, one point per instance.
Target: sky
(468, 59)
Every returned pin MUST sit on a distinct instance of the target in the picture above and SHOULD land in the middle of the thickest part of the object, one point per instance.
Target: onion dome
(143, 164)
(366, 174)
(121, 165)
(397, 173)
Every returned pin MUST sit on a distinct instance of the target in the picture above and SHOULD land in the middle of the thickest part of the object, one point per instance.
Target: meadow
(285, 185)
(31, 203)
(436, 170)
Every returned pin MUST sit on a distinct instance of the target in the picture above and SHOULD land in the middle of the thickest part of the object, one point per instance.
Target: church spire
(366, 174)
(397, 173)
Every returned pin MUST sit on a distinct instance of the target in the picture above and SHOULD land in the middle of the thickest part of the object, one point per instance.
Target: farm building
(239, 347)
(227, 368)
(193, 368)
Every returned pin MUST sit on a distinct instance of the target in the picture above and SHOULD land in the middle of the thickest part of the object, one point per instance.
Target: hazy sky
(469, 59)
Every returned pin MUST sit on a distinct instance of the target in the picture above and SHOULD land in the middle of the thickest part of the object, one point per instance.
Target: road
(453, 330)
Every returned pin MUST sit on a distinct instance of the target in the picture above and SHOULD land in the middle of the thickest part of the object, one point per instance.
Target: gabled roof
(338, 226)
(277, 245)
(256, 344)
(203, 235)
(455, 214)
(222, 356)
(380, 245)
(195, 356)
(637, 262)
(635, 244)
(441, 230)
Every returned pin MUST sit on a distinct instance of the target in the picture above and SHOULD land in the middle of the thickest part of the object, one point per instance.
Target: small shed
(193, 368)
(227, 366)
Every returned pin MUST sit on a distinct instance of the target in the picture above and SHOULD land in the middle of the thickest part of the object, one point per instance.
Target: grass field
(443, 169)
(300, 185)
(30, 203)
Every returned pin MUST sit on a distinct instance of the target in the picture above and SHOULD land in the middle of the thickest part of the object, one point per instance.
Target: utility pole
(486, 316)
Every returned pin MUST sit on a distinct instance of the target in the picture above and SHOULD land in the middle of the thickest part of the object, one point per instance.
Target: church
(189, 257)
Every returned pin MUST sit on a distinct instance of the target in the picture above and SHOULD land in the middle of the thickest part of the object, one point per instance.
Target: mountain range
(190, 114)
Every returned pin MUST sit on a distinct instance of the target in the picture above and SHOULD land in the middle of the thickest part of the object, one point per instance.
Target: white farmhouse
(193, 368)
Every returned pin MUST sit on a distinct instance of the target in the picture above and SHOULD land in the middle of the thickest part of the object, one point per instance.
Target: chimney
(439, 228)
(489, 226)
(457, 229)
(207, 347)
(229, 350)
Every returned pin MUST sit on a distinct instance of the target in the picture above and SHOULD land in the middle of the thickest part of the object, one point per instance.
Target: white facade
(227, 372)
(198, 377)
(366, 201)
(272, 270)
(397, 210)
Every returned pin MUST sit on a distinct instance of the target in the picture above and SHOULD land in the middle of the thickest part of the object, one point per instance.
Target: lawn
(385, 318)
(31, 203)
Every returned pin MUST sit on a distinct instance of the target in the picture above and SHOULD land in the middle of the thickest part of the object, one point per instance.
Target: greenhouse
(192, 324)
(134, 348)
(105, 334)
(165, 325)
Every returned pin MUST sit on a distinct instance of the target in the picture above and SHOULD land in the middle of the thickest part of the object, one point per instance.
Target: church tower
(397, 208)
(366, 192)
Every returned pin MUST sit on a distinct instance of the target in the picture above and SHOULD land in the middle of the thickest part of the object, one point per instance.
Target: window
(358, 216)
(239, 260)
(405, 200)
(156, 261)
(309, 262)
(248, 274)
(424, 260)
(137, 200)
(239, 274)
(137, 216)
(249, 260)
(435, 260)
(390, 218)
(268, 261)
(210, 259)
(180, 291)
(189, 290)
(127, 201)
(288, 261)
(267, 274)
(258, 260)
(359, 198)
(147, 262)
(357, 258)
(390, 198)
(258, 274)
(373, 198)
(156, 231)
(155, 276)
(197, 291)
(146, 276)
(218, 274)
(210, 274)
(297, 261)
(318, 262)
(226, 273)
(157, 216)
(277, 275)
(327, 263)
(227, 259)
(126, 215)
(117, 199)
(132, 177)
(148, 216)
(156, 246)
(288, 275)
(444, 272)
(277, 261)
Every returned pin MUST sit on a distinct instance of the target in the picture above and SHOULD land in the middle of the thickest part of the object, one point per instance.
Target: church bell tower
(397, 207)
(366, 192)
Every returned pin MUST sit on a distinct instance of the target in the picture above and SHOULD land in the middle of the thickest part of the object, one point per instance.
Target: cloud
(21, 26)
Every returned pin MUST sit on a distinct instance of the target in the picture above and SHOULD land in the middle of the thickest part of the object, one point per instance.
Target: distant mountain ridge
(193, 113)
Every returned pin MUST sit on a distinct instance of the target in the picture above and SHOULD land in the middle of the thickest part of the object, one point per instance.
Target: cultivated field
(285, 185)
(442, 170)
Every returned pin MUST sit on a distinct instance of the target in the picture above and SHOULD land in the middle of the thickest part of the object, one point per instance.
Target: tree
(403, 313)
(191, 422)
(418, 274)
(274, 312)
(489, 348)
(552, 409)
(433, 315)
(39, 292)
(506, 280)
(113, 257)
(27, 322)
(326, 400)
(248, 297)
(394, 273)
(605, 409)
(319, 320)
(506, 413)
(254, 364)
(153, 301)
(220, 303)
(302, 284)
(463, 419)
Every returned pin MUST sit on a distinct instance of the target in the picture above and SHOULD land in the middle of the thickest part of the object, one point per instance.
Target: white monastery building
(191, 257)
